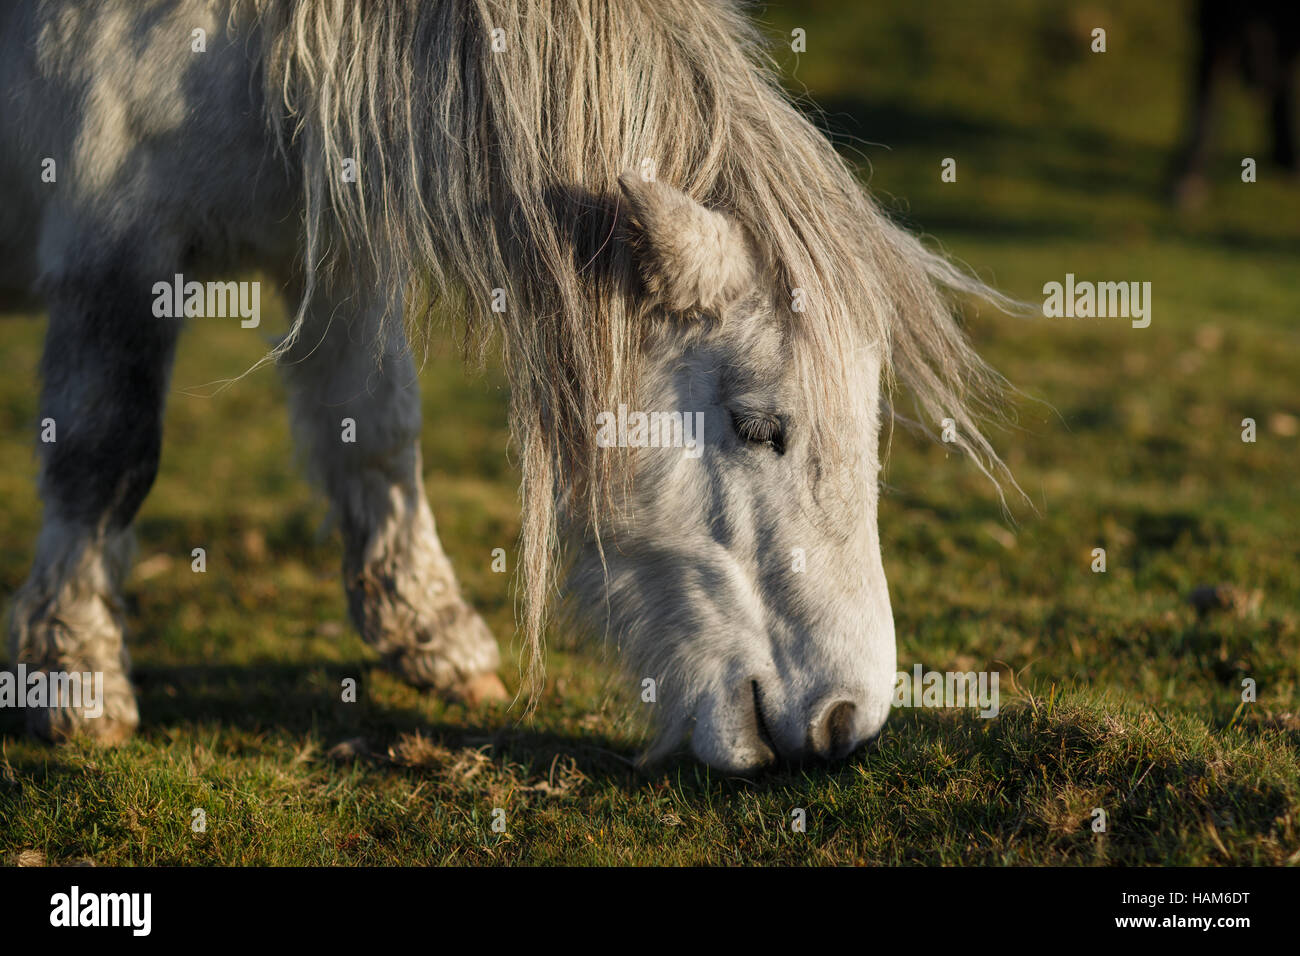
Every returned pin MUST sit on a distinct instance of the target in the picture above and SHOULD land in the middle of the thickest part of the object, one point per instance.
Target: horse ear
(690, 257)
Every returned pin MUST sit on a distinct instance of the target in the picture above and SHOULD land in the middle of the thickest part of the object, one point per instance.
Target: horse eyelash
(760, 430)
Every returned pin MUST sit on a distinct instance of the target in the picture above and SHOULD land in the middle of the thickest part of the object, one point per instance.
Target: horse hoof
(114, 725)
(479, 689)
(59, 731)
(454, 655)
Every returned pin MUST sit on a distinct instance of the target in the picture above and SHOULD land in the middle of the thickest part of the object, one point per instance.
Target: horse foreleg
(358, 415)
(105, 371)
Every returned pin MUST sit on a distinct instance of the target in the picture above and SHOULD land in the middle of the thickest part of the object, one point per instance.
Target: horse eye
(760, 430)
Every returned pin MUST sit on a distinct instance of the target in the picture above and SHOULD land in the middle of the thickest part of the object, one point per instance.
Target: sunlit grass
(1115, 695)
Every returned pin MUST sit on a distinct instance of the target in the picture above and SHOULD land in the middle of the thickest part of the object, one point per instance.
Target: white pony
(699, 307)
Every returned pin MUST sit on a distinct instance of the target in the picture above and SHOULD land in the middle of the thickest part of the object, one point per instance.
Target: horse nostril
(832, 737)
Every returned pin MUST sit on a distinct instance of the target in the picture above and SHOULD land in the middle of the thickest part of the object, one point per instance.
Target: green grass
(1114, 694)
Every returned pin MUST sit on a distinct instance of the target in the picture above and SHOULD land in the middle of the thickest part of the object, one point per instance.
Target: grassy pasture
(1115, 694)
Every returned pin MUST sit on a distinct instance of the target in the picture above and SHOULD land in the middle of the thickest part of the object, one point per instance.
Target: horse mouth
(764, 735)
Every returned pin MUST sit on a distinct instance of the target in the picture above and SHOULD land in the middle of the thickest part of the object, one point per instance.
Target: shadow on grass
(273, 708)
(280, 705)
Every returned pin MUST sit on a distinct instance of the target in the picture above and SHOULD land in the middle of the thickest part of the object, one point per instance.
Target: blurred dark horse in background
(1262, 39)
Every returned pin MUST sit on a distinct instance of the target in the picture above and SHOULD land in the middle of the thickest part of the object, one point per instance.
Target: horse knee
(105, 370)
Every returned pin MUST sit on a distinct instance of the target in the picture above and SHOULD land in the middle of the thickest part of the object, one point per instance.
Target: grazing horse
(615, 191)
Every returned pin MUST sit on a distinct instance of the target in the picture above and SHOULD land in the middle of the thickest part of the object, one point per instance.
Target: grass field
(1115, 694)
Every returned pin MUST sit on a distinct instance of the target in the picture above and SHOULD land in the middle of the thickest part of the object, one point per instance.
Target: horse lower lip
(763, 734)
